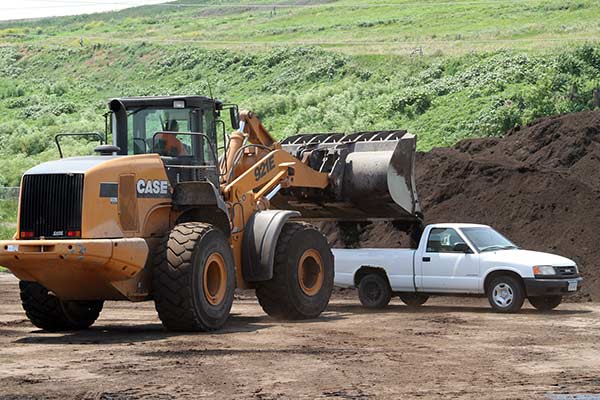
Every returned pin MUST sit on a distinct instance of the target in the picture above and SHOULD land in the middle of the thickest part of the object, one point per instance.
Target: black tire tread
(545, 303)
(172, 271)
(382, 283)
(413, 299)
(519, 294)
(170, 280)
(46, 312)
(274, 296)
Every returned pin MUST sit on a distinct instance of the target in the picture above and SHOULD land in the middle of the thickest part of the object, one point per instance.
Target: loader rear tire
(302, 275)
(48, 312)
(193, 279)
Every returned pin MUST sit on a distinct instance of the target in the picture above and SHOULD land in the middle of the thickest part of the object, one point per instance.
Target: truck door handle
(426, 259)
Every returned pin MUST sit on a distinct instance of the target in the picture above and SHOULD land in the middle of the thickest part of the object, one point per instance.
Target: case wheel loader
(160, 215)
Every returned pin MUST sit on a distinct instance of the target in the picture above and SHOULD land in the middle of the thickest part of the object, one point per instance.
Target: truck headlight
(543, 270)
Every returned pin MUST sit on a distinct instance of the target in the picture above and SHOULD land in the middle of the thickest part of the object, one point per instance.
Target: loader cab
(181, 129)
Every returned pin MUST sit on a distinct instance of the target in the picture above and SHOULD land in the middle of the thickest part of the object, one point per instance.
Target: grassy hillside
(480, 67)
(48, 90)
(373, 27)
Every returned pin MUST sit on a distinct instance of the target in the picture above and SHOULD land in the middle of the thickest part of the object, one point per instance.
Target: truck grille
(566, 272)
(51, 206)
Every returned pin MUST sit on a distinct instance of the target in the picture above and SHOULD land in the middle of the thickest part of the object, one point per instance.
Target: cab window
(443, 240)
(143, 123)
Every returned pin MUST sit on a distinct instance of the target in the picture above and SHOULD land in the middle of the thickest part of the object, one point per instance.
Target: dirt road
(449, 348)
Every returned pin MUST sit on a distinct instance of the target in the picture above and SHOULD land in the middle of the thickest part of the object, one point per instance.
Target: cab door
(448, 263)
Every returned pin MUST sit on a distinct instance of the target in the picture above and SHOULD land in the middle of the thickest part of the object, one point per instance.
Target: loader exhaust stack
(371, 175)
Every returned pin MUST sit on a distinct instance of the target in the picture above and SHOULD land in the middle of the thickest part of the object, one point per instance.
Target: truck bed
(397, 262)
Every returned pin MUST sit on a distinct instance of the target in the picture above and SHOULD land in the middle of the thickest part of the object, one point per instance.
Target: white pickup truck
(458, 259)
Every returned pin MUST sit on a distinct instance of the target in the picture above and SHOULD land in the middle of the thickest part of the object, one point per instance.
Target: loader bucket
(371, 177)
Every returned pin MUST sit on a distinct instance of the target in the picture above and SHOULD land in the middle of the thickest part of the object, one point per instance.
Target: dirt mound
(539, 185)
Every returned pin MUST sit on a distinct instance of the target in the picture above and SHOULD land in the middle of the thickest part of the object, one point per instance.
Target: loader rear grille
(51, 205)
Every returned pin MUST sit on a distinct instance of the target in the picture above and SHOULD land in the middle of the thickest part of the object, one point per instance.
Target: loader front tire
(302, 275)
(193, 280)
(48, 312)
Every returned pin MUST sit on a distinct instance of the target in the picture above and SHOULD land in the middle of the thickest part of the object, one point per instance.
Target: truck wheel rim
(502, 295)
(311, 272)
(372, 292)
(214, 279)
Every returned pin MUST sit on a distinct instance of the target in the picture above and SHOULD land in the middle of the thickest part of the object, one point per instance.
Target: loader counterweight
(80, 269)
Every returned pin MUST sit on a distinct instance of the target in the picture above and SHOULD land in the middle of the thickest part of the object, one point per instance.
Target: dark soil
(539, 185)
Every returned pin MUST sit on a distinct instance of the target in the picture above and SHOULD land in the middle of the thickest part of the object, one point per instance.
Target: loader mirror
(107, 149)
(234, 115)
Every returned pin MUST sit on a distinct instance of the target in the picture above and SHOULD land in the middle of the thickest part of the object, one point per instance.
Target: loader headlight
(543, 270)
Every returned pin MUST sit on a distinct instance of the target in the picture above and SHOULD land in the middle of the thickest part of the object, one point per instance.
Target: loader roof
(160, 101)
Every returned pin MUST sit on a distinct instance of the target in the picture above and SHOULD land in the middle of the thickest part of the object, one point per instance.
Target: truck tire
(413, 299)
(505, 294)
(302, 274)
(545, 303)
(193, 279)
(48, 312)
(374, 291)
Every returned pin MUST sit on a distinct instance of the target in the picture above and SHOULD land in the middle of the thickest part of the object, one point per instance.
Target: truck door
(447, 263)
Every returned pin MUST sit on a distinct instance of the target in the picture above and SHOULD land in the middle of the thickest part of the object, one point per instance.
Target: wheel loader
(176, 211)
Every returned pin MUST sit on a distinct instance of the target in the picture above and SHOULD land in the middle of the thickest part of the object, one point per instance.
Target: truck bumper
(81, 269)
(549, 287)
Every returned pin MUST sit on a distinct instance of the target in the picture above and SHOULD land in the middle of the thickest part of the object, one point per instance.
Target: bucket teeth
(371, 176)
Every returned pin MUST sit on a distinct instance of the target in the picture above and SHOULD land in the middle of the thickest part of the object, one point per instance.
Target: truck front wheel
(48, 312)
(413, 299)
(545, 303)
(505, 294)
(374, 291)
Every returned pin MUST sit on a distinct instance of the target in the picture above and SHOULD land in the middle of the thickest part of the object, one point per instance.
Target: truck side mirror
(462, 248)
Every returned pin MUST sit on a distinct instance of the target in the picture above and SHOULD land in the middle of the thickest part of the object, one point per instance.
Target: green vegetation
(374, 26)
(49, 90)
(441, 69)
(8, 216)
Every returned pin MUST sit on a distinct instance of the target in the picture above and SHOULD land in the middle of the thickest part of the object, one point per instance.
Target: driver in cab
(169, 144)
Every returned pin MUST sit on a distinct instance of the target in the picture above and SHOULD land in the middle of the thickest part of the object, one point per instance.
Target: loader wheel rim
(311, 272)
(215, 279)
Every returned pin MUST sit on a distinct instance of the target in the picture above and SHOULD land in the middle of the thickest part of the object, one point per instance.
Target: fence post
(9, 193)
(596, 98)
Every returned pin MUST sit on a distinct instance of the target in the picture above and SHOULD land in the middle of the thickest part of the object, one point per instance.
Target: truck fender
(498, 271)
(260, 240)
(365, 270)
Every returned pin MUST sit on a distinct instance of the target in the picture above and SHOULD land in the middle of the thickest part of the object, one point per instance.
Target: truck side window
(442, 240)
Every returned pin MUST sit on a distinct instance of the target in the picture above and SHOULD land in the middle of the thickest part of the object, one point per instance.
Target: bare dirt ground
(451, 348)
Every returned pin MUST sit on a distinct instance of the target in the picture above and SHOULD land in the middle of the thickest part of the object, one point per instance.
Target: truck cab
(451, 259)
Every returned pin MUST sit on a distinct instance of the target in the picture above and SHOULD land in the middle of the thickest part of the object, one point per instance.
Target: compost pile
(539, 185)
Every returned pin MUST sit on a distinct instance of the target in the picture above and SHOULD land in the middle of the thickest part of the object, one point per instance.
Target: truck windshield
(487, 239)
